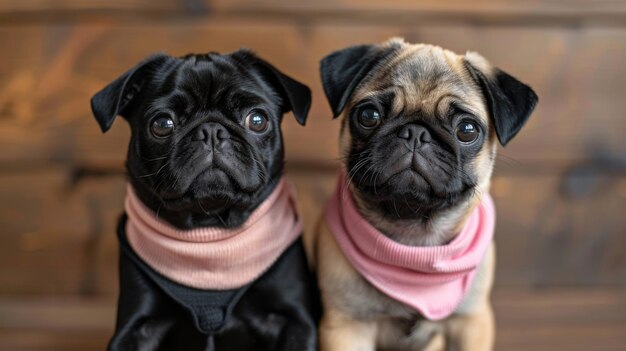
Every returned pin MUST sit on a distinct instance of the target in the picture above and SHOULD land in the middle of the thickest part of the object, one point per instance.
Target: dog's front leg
(472, 332)
(339, 332)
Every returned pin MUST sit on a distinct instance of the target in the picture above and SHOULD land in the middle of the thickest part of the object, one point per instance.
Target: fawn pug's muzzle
(413, 160)
(421, 124)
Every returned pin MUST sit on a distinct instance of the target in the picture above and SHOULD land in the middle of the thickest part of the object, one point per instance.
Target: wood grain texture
(48, 78)
(560, 187)
(536, 7)
(51, 231)
(538, 12)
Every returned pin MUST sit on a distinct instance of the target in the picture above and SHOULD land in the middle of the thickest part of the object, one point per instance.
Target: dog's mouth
(423, 176)
(406, 183)
(408, 192)
(206, 182)
(212, 187)
(206, 177)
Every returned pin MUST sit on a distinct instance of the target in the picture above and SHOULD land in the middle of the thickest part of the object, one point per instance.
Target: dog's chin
(408, 195)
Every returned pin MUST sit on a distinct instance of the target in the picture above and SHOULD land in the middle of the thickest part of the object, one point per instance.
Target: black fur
(510, 101)
(211, 171)
(278, 311)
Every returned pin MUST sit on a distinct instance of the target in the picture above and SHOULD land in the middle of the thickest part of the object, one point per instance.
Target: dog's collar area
(209, 308)
(215, 258)
(433, 280)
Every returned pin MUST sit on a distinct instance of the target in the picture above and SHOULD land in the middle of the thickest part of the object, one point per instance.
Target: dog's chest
(399, 326)
(366, 302)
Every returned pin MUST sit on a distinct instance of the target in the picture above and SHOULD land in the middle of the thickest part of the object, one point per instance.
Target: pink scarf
(433, 280)
(214, 258)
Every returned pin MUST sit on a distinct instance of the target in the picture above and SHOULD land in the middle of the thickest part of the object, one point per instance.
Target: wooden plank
(20, 340)
(557, 12)
(57, 313)
(549, 234)
(561, 319)
(51, 72)
(51, 233)
(541, 320)
(43, 5)
(560, 7)
(38, 253)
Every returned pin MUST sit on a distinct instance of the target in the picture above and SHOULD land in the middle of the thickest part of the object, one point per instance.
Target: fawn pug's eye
(369, 118)
(467, 132)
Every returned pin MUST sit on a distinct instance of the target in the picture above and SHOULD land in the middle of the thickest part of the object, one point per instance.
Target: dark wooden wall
(560, 187)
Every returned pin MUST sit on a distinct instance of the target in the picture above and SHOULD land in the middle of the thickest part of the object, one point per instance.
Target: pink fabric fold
(215, 258)
(433, 280)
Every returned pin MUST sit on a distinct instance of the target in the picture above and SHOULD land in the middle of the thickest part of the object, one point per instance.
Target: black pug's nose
(213, 135)
(415, 136)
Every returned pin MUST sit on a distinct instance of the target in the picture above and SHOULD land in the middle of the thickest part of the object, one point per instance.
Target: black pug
(205, 151)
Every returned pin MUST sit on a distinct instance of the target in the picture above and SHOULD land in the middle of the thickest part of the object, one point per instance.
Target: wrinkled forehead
(213, 83)
(426, 79)
(214, 75)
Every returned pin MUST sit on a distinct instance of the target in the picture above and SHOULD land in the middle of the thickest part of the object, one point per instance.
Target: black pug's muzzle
(209, 165)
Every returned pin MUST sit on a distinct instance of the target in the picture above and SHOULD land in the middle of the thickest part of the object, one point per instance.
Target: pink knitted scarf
(432, 280)
(215, 258)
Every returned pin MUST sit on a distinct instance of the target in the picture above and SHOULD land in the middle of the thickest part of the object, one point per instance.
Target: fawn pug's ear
(509, 101)
(116, 97)
(343, 70)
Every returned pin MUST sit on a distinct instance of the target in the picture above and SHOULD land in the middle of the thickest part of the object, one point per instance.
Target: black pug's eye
(257, 122)
(162, 127)
(467, 132)
(369, 118)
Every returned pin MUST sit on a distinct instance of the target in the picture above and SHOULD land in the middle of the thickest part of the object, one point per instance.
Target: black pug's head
(421, 124)
(206, 146)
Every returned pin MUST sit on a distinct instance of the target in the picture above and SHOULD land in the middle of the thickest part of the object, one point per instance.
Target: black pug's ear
(343, 70)
(510, 101)
(296, 95)
(115, 97)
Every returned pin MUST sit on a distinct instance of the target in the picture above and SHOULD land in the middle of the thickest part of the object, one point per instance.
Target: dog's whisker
(395, 208)
(260, 168)
(353, 172)
(202, 208)
(370, 168)
(221, 219)
(155, 159)
(159, 209)
(154, 173)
